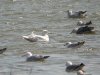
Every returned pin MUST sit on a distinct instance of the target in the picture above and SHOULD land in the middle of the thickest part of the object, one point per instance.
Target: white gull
(34, 37)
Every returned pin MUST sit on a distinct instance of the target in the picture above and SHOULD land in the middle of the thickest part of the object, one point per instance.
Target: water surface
(21, 17)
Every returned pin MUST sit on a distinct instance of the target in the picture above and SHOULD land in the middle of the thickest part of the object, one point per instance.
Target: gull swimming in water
(31, 37)
(44, 36)
(81, 72)
(78, 14)
(31, 57)
(81, 23)
(83, 30)
(74, 45)
(2, 50)
(34, 38)
(74, 67)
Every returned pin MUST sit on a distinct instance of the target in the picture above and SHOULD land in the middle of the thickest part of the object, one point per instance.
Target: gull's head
(32, 32)
(27, 54)
(68, 63)
(69, 11)
(80, 72)
(45, 32)
(68, 43)
(80, 22)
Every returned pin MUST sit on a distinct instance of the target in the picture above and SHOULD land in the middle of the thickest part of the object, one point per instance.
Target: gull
(44, 36)
(81, 72)
(31, 37)
(83, 30)
(81, 23)
(74, 45)
(34, 37)
(74, 67)
(78, 14)
(31, 57)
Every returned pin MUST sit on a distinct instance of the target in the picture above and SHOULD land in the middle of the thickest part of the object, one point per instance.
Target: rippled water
(21, 17)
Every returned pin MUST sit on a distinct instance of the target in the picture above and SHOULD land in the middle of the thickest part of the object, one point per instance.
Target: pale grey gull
(78, 14)
(31, 57)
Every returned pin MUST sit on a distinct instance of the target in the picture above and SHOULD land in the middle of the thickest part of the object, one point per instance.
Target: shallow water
(21, 17)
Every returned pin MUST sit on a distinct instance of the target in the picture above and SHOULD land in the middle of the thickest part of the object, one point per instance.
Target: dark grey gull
(74, 45)
(84, 30)
(74, 67)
